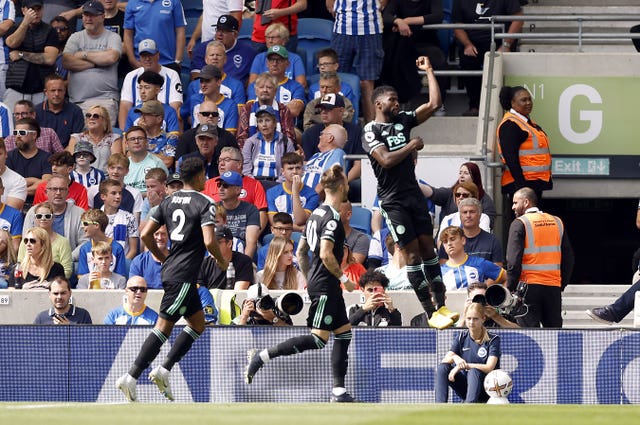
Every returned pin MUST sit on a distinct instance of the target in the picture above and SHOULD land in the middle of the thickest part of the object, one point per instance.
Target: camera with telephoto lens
(287, 304)
(506, 302)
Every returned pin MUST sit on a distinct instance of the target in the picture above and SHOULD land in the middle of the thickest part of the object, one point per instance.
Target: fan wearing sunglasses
(37, 269)
(60, 247)
(461, 191)
(99, 132)
(28, 160)
(47, 140)
(133, 310)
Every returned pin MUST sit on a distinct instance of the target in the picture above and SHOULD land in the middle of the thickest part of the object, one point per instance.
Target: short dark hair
(292, 158)
(60, 18)
(381, 91)
(152, 78)
(282, 217)
(60, 280)
(190, 168)
(328, 52)
(31, 123)
(53, 77)
(371, 276)
(135, 128)
(26, 102)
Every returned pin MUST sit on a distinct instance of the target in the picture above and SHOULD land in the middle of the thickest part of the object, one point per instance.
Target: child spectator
(94, 224)
(63, 163)
(101, 277)
(83, 172)
(122, 226)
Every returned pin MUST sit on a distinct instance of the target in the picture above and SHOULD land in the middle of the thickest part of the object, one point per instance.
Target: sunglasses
(47, 216)
(60, 29)
(462, 195)
(94, 116)
(137, 289)
(23, 132)
(223, 185)
(209, 114)
(89, 223)
(31, 241)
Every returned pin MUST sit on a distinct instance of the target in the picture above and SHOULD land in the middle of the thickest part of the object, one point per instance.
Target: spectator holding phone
(378, 309)
(62, 312)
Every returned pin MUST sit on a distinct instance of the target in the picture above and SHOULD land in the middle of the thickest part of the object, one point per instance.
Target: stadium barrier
(393, 365)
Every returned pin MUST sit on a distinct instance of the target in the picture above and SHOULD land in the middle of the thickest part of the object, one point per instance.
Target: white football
(498, 384)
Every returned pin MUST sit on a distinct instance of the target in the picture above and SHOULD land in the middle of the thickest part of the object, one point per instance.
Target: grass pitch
(315, 414)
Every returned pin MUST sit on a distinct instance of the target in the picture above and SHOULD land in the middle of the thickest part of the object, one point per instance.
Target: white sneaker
(160, 377)
(127, 384)
(440, 112)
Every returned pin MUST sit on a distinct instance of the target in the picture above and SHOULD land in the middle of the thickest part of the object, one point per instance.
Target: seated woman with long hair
(279, 271)
(7, 257)
(60, 247)
(474, 353)
(37, 269)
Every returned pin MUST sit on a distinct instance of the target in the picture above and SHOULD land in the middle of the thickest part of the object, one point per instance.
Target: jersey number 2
(179, 217)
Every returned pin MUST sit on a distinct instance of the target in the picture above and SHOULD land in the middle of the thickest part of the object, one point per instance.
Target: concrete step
(566, 46)
(579, 319)
(584, 302)
(578, 4)
(597, 290)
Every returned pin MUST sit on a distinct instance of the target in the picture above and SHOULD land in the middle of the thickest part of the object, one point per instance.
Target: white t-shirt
(171, 80)
(213, 9)
(15, 186)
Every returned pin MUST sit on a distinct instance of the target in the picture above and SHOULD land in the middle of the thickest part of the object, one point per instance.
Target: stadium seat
(361, 220)
(313, 35)
(246, 29)
(352, 80)
(192, 5)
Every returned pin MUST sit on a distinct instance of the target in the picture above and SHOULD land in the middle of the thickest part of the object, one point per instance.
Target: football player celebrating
(324, 235)
(387, 142)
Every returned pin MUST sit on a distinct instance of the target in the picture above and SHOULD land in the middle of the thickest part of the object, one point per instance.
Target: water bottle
(231, 276)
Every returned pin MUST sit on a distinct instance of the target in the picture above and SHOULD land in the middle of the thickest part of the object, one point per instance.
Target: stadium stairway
(578, 298)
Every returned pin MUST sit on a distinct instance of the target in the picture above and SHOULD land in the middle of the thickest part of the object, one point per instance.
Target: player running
(391, 151)
(189, 217)
(324, 235)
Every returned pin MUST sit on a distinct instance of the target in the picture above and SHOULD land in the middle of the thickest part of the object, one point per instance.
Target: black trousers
(545, 307)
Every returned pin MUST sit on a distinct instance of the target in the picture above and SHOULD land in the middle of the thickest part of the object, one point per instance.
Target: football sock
(340, 358)
(296, 345)
(420, 285)
(433, 272)
(148, 352)
(183, 344)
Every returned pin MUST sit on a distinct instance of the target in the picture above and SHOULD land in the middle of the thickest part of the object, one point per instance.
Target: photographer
(378, 309)
(476, 294)
(255, 312)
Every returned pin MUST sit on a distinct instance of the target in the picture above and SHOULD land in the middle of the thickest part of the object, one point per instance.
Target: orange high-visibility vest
(542, 249)
(535, 158)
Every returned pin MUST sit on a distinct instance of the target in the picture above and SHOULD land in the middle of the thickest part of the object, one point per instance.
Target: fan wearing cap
(278, 34)
(161, 21)
(210, 82)
(239, 52)
(92, 56)
(208, 115)
(83, 172)
(205, 30)
(159, 142)
(150, 84)
(213, 277)
(329, 84)
(169, 90)
(289, 92)
(230, 87)
(263, 151)
(243, 218)
(266, 89)
(33, 52)
(332, 112)
(62, 163)
(207, 141)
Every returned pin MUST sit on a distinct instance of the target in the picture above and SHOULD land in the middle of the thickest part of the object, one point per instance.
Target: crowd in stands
(95, 125)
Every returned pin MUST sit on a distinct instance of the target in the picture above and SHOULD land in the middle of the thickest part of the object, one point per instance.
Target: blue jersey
(239, 60)
(118, 260)
(155, 20)
(170, 122)
(208, 305)
(230, 87)
(288, 90)
(6, 121)
(279, 199)
(473, 269)
(227, 110)
(122, 316)
(295, 68)
(11, 220)
(92, 178)
(7, 12)
(345, 91)
(144, 265)
(472, 352)
(319, 163)
(165, 144)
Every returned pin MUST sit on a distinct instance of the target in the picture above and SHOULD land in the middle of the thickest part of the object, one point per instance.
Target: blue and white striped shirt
(357, 17)
(92, 178)
(7, 11)
(264, 164)
(319, 163)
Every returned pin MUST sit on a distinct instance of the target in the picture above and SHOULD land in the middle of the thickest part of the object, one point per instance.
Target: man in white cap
(92, 56)
(170, 92)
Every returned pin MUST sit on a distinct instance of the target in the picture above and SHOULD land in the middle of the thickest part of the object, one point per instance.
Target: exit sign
(581, 167)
